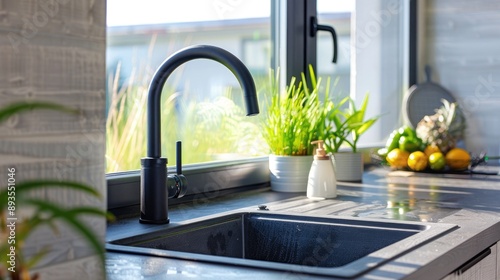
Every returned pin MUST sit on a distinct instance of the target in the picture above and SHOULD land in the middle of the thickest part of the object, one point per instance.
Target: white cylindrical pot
(348, 166)
(289, 173)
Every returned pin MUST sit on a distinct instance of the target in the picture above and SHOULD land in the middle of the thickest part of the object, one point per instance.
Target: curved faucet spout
(170, 64)
(154, 203)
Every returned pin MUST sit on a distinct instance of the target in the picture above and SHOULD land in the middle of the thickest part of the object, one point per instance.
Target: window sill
(214, 177)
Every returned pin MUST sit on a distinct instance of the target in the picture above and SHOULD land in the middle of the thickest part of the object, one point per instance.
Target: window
(202, 100)
(338, 14)
(373, 57)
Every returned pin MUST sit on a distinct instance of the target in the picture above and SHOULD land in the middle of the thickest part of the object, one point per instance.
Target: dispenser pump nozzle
(320, 151)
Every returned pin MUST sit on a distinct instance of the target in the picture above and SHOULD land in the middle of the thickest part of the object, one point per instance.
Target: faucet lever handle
(178, 157)
(177, 184)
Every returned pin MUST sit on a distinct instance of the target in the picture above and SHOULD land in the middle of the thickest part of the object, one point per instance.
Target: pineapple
(444, 128)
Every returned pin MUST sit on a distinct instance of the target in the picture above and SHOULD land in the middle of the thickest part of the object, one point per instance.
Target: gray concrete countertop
(469, 201)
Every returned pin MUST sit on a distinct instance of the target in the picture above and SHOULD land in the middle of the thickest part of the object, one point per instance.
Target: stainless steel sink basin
(342, 247)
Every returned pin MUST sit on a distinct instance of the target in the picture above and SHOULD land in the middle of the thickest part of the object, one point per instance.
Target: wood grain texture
(55, 51)
(462, 43)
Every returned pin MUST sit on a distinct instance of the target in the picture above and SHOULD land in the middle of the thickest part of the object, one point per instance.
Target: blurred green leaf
(26, 186)
(46, 212)
(70, 216)
(18, 107)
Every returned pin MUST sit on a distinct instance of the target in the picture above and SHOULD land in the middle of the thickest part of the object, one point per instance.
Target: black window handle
(315, 27)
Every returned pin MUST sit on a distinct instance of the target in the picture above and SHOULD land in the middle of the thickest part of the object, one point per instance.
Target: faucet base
(158, 222)
(154, 200)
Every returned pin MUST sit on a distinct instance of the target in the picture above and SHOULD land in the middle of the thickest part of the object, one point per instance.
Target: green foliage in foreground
(44, 212)
(19, 107)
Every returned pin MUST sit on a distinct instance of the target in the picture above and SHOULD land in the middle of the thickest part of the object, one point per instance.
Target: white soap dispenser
(322, 182)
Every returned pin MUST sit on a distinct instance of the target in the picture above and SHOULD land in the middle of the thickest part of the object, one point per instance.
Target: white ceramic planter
(289, 173)
(348, 166)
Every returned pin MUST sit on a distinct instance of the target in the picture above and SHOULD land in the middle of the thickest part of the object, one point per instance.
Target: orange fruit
(430, 149)
(458, 159)
(417, 161)
(398, 158)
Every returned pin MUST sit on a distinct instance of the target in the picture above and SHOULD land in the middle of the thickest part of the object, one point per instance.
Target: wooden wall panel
(54, 50)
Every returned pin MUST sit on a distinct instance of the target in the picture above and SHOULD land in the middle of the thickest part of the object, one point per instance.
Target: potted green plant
(293, 119)
(345, 129)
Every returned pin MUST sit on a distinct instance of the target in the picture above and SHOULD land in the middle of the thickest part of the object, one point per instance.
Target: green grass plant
(296, 116)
